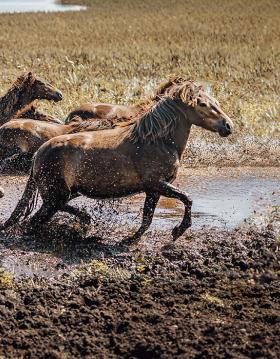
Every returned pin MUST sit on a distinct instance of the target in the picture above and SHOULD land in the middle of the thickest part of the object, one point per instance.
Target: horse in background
(25, 90)
(33, 113)
(20, 138)
(113, 113)
(143, 156)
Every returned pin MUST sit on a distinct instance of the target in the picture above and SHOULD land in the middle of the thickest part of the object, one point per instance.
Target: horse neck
(166, 123)
(11, 103)
(180, 136)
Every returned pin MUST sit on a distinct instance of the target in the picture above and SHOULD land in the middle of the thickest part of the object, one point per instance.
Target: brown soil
(214, 294)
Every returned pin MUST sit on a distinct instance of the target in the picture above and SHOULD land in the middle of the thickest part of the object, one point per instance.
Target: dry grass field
(117, 51)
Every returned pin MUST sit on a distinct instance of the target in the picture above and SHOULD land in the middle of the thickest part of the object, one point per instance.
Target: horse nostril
(59, 96)
(228, 127)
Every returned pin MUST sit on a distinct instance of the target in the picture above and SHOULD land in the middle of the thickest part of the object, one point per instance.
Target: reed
(116, 51)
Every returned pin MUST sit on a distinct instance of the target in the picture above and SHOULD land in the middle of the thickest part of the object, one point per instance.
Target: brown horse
(141, 157)
(21, 138)
(114, 113)
(103, 111)
(26, 89)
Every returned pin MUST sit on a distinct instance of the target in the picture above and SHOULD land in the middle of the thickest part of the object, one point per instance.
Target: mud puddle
(222, 199)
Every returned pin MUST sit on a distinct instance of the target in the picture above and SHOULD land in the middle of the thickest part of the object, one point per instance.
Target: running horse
(20, 138)
(143, 156)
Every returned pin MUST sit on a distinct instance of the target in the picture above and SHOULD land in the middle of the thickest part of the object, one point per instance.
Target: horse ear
(192, 96)
(30, 76)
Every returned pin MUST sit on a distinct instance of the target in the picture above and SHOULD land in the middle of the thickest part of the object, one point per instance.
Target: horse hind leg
(151, 201)
(53, 201)
(41, 217)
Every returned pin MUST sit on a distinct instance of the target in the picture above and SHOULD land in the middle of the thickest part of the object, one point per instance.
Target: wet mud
(214, 293)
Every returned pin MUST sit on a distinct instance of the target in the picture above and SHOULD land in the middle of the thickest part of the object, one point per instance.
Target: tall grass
(117, 50)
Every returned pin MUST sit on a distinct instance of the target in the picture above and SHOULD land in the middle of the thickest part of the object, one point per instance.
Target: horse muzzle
(225, 127)
(57, 96)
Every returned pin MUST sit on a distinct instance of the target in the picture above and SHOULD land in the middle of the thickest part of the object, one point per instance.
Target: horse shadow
(68, 242)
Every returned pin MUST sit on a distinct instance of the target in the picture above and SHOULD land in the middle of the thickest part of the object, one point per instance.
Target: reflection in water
(10, 6)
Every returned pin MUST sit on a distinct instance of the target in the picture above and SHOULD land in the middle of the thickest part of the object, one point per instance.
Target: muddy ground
(214, 293)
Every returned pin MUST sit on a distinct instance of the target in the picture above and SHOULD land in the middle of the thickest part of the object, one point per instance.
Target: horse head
(37, 89)
(206, 111)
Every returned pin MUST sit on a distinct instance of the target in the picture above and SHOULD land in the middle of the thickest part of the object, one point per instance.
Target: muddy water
(222, 198)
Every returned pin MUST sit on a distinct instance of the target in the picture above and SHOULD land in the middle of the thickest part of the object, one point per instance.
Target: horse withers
(143, 156)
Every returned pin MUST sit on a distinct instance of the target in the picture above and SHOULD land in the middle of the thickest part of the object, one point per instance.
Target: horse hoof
(130, 241)
(2, 193)
(30, 230)
(178, 231)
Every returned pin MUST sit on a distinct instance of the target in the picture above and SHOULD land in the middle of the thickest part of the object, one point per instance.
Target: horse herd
(102, 151)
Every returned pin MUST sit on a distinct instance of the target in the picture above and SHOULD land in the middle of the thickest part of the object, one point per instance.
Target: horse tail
(26, 204)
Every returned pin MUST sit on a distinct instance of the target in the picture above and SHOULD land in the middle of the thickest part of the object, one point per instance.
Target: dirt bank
(215, 294)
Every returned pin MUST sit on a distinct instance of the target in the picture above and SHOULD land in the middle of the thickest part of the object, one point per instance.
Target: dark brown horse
(26, 89)
(141, 157)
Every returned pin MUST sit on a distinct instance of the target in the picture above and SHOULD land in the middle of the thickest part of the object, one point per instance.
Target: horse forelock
(187, 91)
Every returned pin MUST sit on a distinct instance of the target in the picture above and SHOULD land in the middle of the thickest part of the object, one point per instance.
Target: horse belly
(108, 177)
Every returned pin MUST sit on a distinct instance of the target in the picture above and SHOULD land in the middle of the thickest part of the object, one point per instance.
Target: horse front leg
(151, 201)
(167, 190)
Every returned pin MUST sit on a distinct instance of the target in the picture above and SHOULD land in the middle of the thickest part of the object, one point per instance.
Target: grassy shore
(117, 51)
